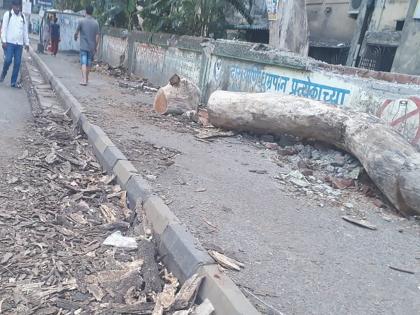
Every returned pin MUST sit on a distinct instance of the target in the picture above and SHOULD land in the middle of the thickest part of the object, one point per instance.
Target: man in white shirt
(14, 36)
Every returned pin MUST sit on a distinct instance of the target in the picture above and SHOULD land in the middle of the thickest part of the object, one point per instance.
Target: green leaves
(191, 17)
(185, 17)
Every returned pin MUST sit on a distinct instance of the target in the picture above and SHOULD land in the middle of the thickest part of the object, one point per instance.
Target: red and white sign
(404, 116)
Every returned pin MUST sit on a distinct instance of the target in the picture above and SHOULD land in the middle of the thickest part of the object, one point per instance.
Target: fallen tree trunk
(391, 162)
(178, 97)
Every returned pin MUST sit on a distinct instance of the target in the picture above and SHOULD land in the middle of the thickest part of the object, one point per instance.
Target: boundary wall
(249, 67)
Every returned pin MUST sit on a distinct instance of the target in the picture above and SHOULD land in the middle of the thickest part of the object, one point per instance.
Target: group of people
(15, 38)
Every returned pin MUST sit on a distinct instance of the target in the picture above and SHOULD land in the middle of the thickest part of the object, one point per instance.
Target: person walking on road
(88, 29)
(55, 36)
(46, 34)
(14, 36)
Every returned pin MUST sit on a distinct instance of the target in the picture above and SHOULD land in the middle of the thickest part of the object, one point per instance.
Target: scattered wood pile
(57, 209)
(390, 161)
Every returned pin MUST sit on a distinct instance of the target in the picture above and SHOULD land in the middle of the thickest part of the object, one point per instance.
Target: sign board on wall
(47, 3)
(417, 11)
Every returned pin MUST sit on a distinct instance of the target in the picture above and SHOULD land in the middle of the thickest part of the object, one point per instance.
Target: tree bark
(178, 97)
(289, 29)
(391, 162)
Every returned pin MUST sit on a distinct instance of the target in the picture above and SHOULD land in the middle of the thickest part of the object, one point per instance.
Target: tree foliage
(119, 13)
(187, 17)
(191, 17)
(74, 5)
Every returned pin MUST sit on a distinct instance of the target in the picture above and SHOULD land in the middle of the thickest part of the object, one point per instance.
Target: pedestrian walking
(46, 32)
(14, 36)
(88, 29)
(55, 36)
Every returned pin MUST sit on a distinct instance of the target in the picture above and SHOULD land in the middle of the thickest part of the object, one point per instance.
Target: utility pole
(288, 25)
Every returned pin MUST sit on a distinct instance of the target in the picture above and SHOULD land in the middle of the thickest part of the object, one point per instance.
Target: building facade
(387, 36)
(380, 35)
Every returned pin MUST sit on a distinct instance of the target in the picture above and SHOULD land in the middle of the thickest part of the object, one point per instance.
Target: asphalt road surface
(15, 112)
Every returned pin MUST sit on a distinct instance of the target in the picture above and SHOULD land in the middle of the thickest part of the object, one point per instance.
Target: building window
(331, 55)
(378, 58)
(399, 25)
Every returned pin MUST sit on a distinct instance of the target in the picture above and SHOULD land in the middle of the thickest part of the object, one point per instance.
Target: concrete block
(94, 133)
(111, 156)
(84, 122)
(124, 170)
(159, 215)
(75, 108)
(181, 252)
(223, 293)
(138, 190)
(102, 142)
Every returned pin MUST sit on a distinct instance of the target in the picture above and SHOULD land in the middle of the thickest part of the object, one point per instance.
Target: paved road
(305, 258)
(15, 112)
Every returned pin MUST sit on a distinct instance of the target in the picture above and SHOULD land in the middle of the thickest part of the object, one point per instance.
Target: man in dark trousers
(14, 36)
(88, 29)
(55, 36)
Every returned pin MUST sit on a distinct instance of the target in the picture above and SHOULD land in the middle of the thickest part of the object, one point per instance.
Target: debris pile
(104, 68)
(319, 170)
(127, 81)
(68, 241)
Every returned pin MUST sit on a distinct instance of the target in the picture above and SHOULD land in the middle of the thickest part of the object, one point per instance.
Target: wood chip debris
(211, 133)
(226, 262)
(361, 223)
(260, 172)
(402, 270)
(187, 294)
(205, 308)
(57, 207)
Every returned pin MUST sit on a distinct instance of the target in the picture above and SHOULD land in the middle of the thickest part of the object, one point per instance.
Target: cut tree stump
(178, 97)
(391, 162)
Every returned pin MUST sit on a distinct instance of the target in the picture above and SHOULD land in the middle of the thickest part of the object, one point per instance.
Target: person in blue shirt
(55, 36)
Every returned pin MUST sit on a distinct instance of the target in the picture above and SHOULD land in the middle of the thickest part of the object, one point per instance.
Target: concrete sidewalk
(15, 112)
(300, 258)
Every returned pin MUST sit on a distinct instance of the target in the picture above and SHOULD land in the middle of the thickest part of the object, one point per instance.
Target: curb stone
(102, 143)
(85, 124)
(111, 156)
(94, 133)
(181, 252)
(76, 109)
(159, 215)
(124, 170)
(138, 190)
(219, 287)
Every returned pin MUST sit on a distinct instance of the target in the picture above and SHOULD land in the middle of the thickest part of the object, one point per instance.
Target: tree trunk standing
(391, 162)
(288, 22)
(178, 97)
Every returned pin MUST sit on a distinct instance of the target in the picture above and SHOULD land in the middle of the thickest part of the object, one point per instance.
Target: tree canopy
(191, 17)
(186, 17)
